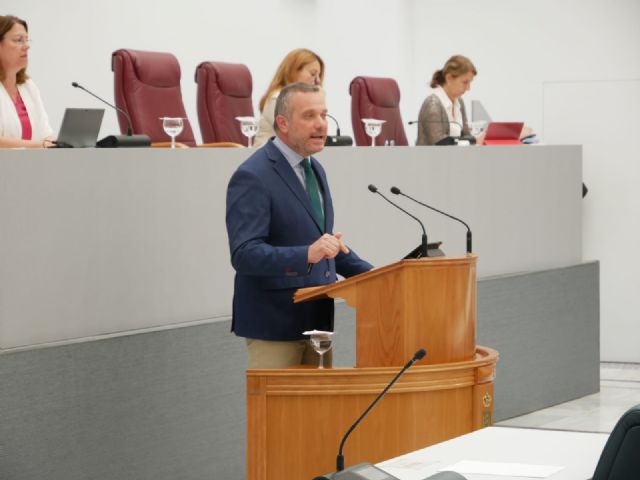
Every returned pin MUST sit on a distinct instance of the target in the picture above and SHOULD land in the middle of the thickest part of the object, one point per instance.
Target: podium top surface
(333, 290)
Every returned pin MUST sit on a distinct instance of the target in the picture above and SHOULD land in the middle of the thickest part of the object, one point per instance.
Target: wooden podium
(296, 417)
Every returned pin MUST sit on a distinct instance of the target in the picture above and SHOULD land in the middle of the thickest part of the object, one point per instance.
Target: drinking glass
(321, 343)
(173, 127)
(249, 128)
(373, 128)
(477, 127)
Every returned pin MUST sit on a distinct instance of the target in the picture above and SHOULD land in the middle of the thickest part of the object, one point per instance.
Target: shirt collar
(444, 98)
(292, 157)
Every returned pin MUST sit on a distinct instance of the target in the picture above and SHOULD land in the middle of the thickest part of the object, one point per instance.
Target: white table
(577, 452)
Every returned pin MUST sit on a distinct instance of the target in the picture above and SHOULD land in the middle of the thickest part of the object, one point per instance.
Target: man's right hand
(327, 246)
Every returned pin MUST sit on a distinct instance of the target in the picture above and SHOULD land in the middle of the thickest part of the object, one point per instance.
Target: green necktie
(313, 191)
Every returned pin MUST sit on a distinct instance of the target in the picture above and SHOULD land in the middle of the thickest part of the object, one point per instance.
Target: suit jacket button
(327, 274)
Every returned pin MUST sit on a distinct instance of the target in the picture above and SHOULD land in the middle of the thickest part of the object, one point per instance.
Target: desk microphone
(419, 355)
(396, 191)
(424, 247)
(337, 140)
(128, 140)
(449, 140)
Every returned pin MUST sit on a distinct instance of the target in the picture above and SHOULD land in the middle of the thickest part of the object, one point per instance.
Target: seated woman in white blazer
(23, 119)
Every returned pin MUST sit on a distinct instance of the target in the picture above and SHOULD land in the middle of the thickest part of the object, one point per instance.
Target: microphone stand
(449, 140)
(337, 140)
(397, 191)
(350, 474)
(114, 141)
(419, 355)
(424, 246)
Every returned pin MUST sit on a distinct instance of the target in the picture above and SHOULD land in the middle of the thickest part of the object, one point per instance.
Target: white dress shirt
(453, 111)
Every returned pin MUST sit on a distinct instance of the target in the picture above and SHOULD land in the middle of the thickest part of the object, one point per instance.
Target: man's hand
(327, 246)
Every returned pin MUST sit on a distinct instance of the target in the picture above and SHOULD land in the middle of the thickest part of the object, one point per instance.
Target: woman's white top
(453, 111)
(265, 124)
(10, 125)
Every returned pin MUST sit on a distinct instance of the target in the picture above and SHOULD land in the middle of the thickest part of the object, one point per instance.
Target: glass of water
(249, 128)
(321, 343)
(373, 128)
(173, 127)
(477, 127)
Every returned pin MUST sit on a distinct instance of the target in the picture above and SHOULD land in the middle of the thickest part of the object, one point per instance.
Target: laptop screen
(503, 132)
(80, 127)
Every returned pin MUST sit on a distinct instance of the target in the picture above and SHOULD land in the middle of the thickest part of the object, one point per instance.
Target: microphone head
(75, 84)
(395, 190)
(419, 355)
(373, 188)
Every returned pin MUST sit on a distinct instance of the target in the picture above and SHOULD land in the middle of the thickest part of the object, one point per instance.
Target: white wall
(571, 70)
(518, 47)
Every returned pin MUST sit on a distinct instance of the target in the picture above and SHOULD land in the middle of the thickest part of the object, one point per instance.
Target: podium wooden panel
(427, 303)
(297, 417)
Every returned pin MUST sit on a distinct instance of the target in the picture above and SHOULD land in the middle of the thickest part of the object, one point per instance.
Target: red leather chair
(147, 87)
(224, 93)
(379, 98)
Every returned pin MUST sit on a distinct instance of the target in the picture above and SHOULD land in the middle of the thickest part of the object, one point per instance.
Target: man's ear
(283, 123)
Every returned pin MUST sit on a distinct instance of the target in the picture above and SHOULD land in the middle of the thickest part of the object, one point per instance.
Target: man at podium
(280, 227)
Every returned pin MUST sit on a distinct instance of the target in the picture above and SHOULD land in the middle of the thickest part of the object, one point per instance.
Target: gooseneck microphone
(337, 140)
(413, 122)
(423, 245)
(130, 140)
(119, 110)
(419, 355)
(337, 124)
(397, 191)
(449, 140)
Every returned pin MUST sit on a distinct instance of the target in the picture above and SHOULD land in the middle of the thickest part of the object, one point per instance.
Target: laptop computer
(503, 133)
(80, 127)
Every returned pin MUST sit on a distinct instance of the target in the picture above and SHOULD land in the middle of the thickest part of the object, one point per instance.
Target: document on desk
(506, 469)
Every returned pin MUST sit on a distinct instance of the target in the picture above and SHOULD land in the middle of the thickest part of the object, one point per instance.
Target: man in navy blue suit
(280, 227)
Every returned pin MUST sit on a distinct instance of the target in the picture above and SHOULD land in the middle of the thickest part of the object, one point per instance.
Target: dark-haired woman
(23, 119)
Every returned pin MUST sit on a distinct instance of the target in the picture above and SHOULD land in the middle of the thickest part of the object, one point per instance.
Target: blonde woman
(299, 66)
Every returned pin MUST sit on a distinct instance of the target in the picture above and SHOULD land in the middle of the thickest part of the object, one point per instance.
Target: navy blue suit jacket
(270, 224)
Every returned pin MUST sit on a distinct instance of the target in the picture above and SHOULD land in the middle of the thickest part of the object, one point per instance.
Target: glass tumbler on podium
(321, 343)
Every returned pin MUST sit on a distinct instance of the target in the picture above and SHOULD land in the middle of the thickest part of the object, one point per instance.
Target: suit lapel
(289, 177)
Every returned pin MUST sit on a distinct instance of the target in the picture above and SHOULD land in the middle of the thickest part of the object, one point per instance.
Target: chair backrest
(379, 98)
(224, 93)
(620, 458)
(147, 87)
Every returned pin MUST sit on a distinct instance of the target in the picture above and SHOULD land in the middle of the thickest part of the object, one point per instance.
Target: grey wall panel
(546, 326)
(163, 405)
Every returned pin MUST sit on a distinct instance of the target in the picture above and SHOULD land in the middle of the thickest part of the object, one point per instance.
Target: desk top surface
(576, 452)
